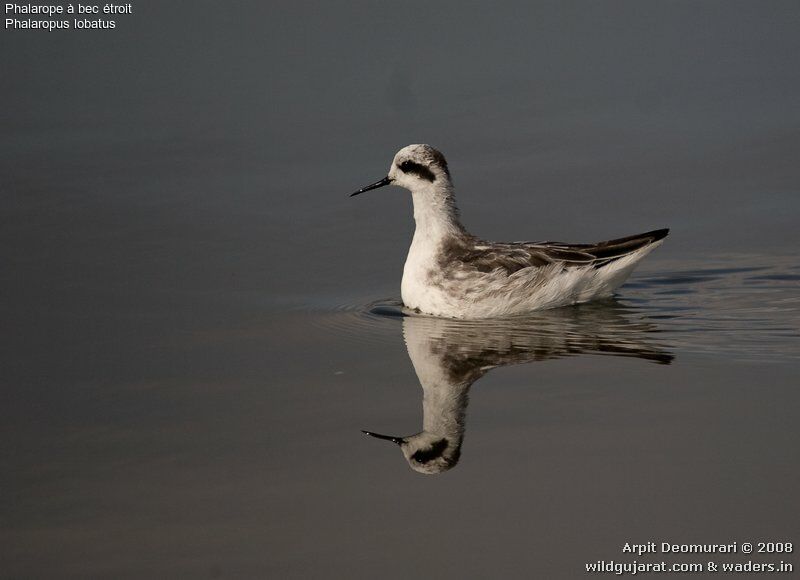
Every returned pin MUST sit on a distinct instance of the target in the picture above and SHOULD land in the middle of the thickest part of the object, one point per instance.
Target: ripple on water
(749, 311)
(604, 328)
(360, 322)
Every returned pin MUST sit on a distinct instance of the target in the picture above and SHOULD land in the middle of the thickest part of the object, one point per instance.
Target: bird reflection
(450, 355)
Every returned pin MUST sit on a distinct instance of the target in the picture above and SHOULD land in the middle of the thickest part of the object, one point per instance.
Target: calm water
(199, 323)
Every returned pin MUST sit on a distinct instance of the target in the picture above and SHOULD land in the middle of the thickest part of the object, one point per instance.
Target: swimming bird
(453, 274)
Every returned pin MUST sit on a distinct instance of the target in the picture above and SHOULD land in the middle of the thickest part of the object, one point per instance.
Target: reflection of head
(426, 452)
(449, 355)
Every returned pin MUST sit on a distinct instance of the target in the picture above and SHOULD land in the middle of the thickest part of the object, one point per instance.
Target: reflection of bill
(449, 355)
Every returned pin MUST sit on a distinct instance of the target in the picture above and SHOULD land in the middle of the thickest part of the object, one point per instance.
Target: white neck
(437, 225)
(435, 211)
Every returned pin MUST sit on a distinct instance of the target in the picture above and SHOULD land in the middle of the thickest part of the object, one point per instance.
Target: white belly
(475, 295)
(417, 290)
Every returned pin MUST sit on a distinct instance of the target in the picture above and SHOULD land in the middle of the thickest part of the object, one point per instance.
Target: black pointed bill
(397, 440)
(376, 185)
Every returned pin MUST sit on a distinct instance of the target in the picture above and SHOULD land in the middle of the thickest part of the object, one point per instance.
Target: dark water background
(189, 350)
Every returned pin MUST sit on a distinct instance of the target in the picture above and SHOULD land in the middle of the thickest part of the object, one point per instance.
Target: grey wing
(512, 257)
(596, 255)
(515, 256)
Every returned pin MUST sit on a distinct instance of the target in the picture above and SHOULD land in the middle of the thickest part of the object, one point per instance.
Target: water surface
(199, 322)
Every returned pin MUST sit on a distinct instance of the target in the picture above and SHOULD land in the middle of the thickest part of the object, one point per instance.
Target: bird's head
(414, 167)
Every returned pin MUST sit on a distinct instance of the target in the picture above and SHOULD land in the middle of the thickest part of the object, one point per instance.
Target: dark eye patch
(435, 450)
(418, 170)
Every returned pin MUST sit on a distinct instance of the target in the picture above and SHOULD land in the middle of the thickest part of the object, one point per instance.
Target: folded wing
(512, 257)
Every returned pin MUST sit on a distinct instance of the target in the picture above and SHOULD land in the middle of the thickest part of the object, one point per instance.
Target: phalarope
(453, 274)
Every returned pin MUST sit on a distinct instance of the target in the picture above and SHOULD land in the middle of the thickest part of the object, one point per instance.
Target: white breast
(415, 288)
